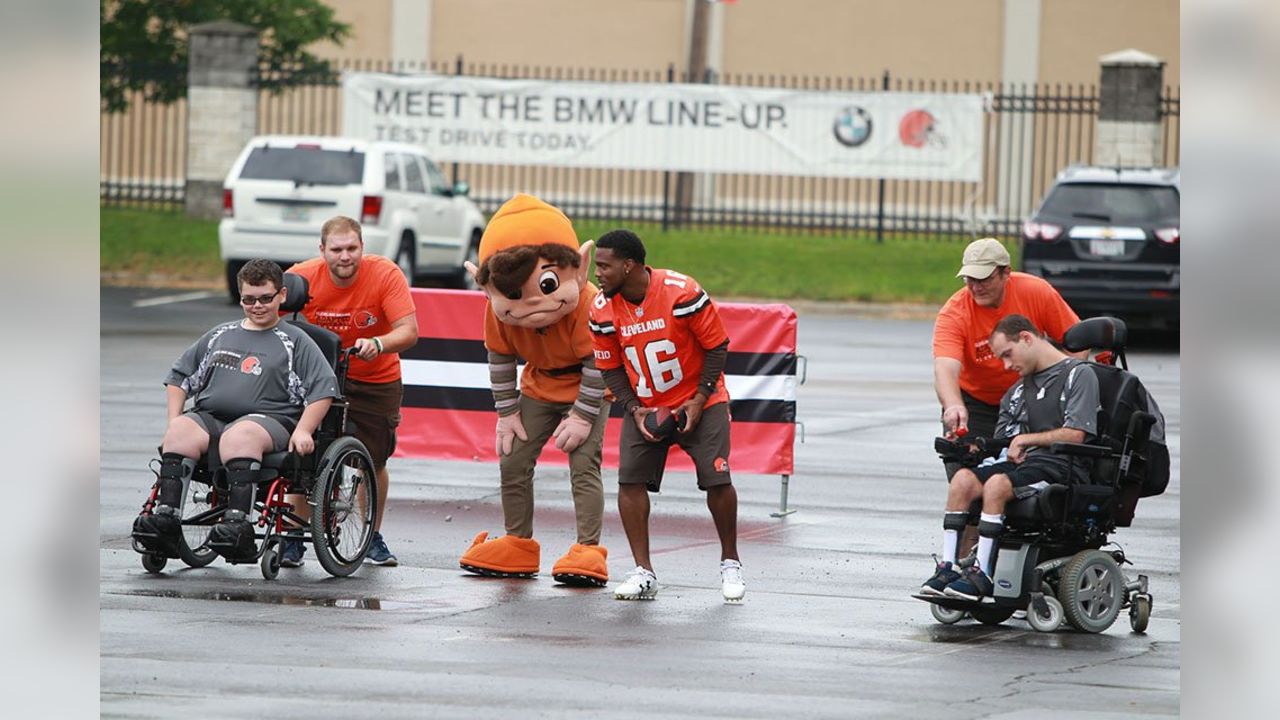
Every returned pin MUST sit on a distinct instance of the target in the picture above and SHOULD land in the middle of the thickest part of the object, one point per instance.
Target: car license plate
(1107, 248)
(294, 213)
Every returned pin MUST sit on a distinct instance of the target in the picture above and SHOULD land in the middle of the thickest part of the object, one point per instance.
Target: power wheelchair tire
(1140, 614)
(154, 563)
(344, 503)
(1048, 622)
(1091, 589)
(946, 616)
(991, 616)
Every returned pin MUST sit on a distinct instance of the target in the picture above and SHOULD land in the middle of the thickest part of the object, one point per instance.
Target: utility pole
(697, 73)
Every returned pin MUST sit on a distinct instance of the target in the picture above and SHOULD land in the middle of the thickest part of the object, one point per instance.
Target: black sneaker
(233, 538)
(974, 585)
(291, 553)
(159, 531)
(944, 576)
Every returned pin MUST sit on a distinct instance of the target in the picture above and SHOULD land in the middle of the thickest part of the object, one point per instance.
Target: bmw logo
(852, 126)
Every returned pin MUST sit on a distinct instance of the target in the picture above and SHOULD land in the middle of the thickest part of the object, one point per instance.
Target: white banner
(653, 126)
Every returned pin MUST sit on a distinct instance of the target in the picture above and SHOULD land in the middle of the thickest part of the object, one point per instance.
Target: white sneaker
(641, 584)
(731, 582)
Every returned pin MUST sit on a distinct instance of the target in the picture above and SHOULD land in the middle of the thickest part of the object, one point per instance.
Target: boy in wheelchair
(260, 386)
(1057, 401)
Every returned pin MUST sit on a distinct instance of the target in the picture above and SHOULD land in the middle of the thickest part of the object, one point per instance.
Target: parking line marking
(180, 297)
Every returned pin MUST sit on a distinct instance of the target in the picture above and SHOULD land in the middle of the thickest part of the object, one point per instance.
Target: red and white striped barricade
(448, 407)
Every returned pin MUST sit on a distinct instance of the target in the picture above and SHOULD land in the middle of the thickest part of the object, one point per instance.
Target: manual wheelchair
(337, 478)
(1051, 560)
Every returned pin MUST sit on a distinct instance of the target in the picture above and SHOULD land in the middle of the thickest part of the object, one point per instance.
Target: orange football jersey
(662, 342)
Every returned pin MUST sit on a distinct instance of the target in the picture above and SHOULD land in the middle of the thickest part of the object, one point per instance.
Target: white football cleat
(731, 582)
(641, 584)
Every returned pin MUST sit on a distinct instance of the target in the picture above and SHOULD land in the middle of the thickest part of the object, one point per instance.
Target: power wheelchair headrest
(298, 293)
(1099, 333)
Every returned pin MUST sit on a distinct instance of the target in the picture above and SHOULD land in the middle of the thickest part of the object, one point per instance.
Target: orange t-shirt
(561, 345)
(963, 328)
(379, 297)
(663, 342)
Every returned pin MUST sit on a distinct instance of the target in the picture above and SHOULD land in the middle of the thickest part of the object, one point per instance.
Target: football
(662, 423)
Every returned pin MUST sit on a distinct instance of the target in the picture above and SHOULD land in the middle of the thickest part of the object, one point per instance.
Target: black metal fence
(1031, 132)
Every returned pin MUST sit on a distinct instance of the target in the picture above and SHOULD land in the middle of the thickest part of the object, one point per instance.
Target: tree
(144, 43)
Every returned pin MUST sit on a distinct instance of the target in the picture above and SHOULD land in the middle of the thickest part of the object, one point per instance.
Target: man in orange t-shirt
(366, 301)
(967, 377)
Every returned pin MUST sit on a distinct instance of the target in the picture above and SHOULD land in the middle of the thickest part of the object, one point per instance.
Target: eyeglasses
(250, 300)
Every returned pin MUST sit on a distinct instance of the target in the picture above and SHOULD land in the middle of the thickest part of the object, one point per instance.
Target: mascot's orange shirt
(664, 341)
(562, 344)
(378, 297)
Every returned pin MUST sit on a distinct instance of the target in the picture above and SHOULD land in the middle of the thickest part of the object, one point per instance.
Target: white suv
(282, 188)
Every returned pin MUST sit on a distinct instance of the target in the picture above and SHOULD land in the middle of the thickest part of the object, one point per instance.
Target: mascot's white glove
(572, 432)
(509, 428)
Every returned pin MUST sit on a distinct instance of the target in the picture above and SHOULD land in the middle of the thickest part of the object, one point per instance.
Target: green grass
(757, 264)
(729, 263)
(140, 243)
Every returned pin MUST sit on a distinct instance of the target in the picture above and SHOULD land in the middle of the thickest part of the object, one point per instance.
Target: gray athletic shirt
(1078, 400)
(232, 371)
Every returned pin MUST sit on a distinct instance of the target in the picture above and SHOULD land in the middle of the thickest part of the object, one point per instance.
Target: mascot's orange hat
(526, 220)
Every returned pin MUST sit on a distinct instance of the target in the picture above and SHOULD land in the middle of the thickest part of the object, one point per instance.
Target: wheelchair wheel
(991, 616)
(344, 503)
(1048, 621)
(946, 616)
(198, 514)
(1091, 588)
(271, 560)
(1140, 614)
(154, 563)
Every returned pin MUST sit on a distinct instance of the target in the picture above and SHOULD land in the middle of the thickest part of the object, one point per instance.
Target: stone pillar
(411, 30)
(1129, 131)
(1019, 73)
(222, 109)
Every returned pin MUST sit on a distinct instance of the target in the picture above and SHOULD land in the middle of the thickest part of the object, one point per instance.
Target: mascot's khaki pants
(540, 419)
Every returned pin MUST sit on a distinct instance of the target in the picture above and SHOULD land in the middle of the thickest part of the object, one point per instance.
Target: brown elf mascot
(535, 276)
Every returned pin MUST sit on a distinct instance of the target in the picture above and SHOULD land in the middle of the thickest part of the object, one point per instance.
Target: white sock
(987, 545)
(950, 540)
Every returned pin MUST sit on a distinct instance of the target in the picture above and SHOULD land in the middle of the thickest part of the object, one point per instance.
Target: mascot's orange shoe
(507, 556)
(584, 566)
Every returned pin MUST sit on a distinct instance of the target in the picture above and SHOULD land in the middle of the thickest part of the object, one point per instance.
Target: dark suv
(1107, 239)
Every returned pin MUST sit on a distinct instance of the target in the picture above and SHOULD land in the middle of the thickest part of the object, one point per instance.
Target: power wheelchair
(1051, 560)
(337, 478)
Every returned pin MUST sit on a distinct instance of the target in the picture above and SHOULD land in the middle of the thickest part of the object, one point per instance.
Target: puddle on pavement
(357, 603)
(1018, 634)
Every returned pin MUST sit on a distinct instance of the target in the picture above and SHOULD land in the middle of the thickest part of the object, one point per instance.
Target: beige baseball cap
(982, 257)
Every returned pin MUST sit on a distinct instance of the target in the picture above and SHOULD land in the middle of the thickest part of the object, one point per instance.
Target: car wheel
(407, 259)
(233, 285)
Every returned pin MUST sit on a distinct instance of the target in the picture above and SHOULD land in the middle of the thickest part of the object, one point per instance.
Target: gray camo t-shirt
(1079, 401)
(232, 371)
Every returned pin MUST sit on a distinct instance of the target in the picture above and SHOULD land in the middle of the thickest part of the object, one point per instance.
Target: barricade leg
(782, 507)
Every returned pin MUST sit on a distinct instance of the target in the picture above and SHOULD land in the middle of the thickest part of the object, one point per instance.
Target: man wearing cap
(967, 377)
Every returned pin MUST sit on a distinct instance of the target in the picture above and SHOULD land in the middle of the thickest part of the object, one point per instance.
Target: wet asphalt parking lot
(828, 628)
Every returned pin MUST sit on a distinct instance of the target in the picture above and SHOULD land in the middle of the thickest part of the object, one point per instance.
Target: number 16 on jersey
(664, 373)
